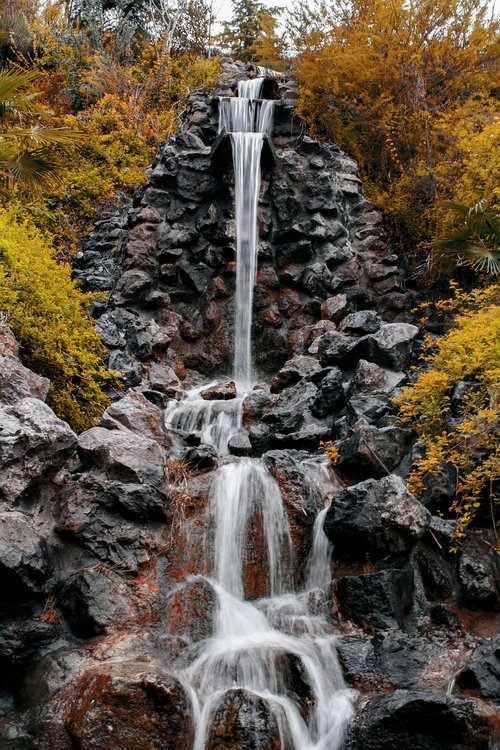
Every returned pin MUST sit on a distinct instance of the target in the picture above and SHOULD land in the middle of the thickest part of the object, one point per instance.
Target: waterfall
(240, 490)
(212, 421)
(247, 118)
(254, 642)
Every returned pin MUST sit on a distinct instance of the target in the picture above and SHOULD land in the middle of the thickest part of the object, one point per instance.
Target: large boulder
(479, 573)
(24, 560)
(122, 543)
(382, 599)
(136, 413)
(331, 393)
(34, 444)
(293, 370)
(96, 601)
(123, 705)
(17, 382)
(372, 452)
(190, 609)
(392, 345)
(417, 720)
(370, 378)
(378, 517)
(394, 659)
(289, 411)
(21, 642)
(123, 455)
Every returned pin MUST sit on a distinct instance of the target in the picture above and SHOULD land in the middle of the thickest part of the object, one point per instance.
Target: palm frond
(31, 169)
(481, 258)
(39, 136)
(475, 243)
(11, 81)
(12, 98)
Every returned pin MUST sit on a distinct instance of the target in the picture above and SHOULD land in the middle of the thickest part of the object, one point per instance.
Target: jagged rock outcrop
(104, 535)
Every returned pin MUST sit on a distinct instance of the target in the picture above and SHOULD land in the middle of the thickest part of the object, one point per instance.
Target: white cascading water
(247, 118)
(251, 639)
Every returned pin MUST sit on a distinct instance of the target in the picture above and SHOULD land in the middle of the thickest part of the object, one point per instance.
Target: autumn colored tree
(124, 107)
(395, 84)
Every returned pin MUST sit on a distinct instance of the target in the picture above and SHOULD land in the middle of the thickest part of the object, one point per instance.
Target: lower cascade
(253, 642)
(257, 644)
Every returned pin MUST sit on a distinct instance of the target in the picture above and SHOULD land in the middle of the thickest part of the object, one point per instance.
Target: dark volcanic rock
(372, 452)
(331, 394)
(370, 378)
(243, 721)
(479, 574)
(96, 601)
(88, 517)
(17, 382)
(392, 345)
(34, 444)
(24, 560)
(123, 454)
(21, 643)
(377, 600)
(289, 411)
(482, 676)
(439, 488)
(201, 457)
(375, 517)
(136, 413)
(416, 720)
(393, 659)
(239, 444)
(294, 370)
(364, 321)
(221, 391)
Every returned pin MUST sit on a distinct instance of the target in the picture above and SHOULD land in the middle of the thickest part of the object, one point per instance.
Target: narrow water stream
(253, 641)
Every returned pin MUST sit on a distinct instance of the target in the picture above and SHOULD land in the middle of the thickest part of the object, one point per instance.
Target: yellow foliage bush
(47, 314)
(470, 351)
(408, 90)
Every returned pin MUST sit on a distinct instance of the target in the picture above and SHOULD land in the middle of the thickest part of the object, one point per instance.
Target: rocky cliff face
(102, 534)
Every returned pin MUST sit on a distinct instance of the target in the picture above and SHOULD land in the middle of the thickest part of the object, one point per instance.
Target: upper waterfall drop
(247, 119)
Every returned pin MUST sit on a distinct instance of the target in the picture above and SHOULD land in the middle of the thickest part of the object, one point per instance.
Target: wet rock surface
(244, 721)
(105, 581)
(376, 517)
(418, 720)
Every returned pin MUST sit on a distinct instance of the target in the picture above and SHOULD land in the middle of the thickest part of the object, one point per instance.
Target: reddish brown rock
(126, 706)
(190, 609)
